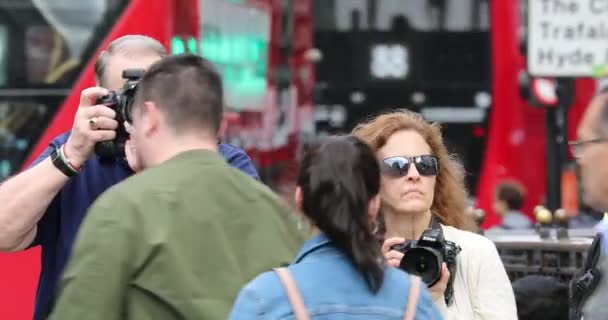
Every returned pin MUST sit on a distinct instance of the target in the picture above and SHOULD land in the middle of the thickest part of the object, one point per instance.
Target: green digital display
(242, 59)
(178, 46)
(235, 36)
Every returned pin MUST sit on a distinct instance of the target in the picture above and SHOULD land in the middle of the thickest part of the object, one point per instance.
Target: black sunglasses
(399, 166)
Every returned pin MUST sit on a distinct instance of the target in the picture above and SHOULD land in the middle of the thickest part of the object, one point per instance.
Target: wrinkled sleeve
(45, 154)
(55, 143)
(247, 305)
(494, 298)
(237, 158)
(95, 282)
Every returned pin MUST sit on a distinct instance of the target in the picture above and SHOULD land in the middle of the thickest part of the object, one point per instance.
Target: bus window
(3, 54)
(39, 43)
(19, 122)
(50, 39)
(43, 47)
(74, 20)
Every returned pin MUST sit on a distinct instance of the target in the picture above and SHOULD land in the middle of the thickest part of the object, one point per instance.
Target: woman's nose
(412, 173)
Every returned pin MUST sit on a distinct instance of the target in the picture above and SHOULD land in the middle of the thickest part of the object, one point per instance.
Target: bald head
(595, 119)
(130, 47)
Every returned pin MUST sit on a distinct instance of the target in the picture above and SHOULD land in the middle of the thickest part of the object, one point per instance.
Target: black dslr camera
(425, 257)
(121, 103)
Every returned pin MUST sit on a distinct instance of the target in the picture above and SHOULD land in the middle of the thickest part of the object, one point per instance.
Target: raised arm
(26, 197)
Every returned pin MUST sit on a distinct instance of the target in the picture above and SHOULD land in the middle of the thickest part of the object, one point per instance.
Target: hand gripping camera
(121, 103)
(425, 257)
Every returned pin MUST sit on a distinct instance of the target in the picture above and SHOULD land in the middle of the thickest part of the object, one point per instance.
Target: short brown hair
(188, 88)
(122, 43)
(450, 200)
(512, 193)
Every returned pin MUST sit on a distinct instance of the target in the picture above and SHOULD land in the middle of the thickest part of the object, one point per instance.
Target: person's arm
(26, 196)
(494, 298)
(95, 282)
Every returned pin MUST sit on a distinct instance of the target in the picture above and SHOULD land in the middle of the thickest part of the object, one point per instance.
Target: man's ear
(151, 118)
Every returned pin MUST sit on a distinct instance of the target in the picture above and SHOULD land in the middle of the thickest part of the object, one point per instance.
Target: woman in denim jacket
(340, 272)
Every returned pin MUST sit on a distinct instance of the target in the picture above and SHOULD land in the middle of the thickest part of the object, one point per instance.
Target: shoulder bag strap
(295, 299)
(412, 298)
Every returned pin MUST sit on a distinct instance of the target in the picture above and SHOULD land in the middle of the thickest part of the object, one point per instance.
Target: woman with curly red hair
(423, 187)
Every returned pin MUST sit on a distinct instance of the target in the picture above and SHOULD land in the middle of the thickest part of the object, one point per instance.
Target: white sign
(389, 61)
(567, 38)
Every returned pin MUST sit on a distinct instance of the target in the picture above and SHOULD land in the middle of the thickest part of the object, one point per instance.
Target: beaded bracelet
(66, 160)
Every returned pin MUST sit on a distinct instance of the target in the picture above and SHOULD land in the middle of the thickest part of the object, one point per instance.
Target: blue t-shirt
(58, 227)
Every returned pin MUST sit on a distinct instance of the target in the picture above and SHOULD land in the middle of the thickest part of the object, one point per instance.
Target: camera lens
(422, 265)
(423, 262)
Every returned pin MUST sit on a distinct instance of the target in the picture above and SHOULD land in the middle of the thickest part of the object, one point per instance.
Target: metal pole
(562, 124)
(553, 159)
(565, 92)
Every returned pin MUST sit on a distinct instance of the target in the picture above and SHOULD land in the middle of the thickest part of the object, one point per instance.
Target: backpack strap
(295, 299)
(299, 309)
(412, 298)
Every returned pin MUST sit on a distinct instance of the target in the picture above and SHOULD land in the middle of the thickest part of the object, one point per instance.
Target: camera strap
(434, 224)
(448, 295)
(449, 290)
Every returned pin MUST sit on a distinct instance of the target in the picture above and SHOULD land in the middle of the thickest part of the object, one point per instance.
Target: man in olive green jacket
(178, 240)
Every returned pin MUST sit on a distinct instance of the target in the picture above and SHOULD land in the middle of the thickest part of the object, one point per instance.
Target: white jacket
(482, 289)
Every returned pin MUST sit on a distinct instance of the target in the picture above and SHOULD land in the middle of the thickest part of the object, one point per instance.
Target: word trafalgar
(579, 31)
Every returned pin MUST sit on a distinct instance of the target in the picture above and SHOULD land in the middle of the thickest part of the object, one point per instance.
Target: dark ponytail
(338, 179)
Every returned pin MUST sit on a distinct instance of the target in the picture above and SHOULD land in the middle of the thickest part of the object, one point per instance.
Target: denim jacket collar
(312, 245)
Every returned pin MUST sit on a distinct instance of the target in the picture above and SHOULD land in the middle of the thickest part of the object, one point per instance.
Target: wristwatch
(60, 164)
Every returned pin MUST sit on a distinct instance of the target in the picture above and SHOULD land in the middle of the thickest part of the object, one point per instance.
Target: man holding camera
(180, 239)
(46, 204)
